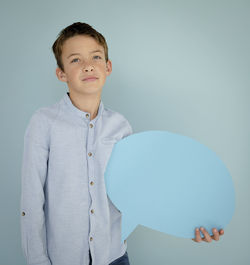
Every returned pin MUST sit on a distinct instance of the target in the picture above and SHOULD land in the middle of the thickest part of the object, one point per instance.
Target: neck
(85, 103)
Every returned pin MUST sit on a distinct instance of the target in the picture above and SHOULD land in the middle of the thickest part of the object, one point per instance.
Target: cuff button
(23, 213)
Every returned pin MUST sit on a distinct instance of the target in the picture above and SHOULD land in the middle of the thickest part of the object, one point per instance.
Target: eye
(75, 60)
(98, 56)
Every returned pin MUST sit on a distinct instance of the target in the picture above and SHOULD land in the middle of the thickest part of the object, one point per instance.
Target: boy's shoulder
(115, 117)
(44, 117)
(114, 114)
(46, 113)
(41, 119)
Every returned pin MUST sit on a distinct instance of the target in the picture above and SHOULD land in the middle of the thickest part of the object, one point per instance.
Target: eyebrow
(79, 53)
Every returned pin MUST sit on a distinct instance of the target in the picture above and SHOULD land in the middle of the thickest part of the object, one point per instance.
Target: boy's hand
(207, 238)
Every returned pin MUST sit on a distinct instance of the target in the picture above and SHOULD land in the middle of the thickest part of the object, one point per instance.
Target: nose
(88, 68)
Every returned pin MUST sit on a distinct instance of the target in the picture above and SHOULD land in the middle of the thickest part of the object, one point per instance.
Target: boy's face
(81, 60)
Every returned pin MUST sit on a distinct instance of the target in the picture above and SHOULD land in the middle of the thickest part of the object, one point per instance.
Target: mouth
(90, 79)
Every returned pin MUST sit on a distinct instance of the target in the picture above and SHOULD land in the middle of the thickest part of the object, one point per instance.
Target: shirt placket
(92, 182)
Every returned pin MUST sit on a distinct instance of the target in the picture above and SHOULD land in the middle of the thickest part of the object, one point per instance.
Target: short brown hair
(77, 28)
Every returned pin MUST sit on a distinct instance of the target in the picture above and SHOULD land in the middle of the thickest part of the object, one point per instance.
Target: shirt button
(92, 211)
(87, 115)
(23, 213)
(91, 125)
(91, 183)
(89, 154)
(91, 238)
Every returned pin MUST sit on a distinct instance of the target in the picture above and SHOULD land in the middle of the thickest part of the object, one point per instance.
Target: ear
(108, 67)
(61, 75)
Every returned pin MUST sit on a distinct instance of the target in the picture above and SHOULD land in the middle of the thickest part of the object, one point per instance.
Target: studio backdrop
(180, 66)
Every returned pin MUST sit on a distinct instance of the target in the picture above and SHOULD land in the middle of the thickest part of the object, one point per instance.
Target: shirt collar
(81, 113)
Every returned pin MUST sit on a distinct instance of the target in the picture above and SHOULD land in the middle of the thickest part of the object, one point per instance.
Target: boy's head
(82, 58)
(75, 29)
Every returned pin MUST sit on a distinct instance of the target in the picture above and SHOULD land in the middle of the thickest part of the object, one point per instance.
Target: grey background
(181, 66)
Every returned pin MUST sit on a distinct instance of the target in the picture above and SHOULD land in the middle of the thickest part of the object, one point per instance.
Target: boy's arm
(34, 172)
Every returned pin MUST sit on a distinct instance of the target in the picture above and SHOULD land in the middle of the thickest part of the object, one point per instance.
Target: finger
(221, 232)
(216, 235)
(197, 235)
(207, 237)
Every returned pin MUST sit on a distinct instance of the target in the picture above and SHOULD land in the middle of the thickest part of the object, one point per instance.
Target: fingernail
(197, 229)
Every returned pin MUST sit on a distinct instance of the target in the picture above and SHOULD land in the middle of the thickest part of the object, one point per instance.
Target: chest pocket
(109, 141)
(107, 144)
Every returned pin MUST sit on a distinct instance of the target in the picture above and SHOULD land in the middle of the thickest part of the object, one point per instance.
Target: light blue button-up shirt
(65, 210)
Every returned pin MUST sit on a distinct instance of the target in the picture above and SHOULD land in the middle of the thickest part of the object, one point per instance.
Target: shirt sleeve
(34, 172)
(128, 130)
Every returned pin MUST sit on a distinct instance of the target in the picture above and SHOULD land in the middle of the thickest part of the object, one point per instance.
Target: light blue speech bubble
(170, 183)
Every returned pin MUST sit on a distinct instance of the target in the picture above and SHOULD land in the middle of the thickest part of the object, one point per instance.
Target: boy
(66, 215)
(65, 209)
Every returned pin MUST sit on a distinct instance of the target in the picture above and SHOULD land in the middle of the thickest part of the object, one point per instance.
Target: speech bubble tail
(128, 226)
